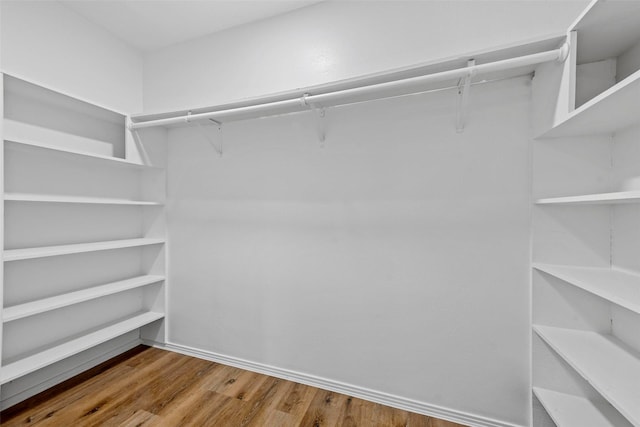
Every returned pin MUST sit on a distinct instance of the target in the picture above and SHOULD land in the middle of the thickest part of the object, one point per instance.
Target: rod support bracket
(132, 129)
(303, 100)
(318, 114)
(563, 53)
(464, 87)
(218, 148)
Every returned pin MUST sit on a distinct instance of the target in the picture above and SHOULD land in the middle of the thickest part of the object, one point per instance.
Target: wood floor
(151, 387)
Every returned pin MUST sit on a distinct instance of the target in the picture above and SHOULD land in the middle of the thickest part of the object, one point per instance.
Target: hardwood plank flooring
(155, 388)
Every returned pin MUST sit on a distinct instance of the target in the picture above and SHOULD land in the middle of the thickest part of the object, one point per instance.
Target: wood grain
(155, 388)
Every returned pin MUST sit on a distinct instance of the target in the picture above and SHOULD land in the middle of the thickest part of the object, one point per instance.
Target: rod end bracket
(563, 53)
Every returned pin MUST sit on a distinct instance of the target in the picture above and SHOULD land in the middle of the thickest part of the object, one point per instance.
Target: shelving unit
(86, 234)
(586, 278)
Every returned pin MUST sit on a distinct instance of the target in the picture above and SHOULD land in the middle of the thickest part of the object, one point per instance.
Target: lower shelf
(573, 411)
(54, 354)
(603, 361)
(54, 198)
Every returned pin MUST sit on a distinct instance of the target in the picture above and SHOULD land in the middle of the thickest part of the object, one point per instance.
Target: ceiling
(150, 25)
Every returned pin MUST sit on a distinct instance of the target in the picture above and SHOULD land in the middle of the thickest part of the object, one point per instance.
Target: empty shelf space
(50, 198)
(604, 362)
(612, 110)
(109, 160)
(618, 286)
(573, 411)
(48, 251)
(46, 304)
(606, 29)
(54, 354)
(593, 199)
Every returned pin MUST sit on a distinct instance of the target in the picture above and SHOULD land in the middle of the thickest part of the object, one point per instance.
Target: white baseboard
(63, 376)
(339, 387)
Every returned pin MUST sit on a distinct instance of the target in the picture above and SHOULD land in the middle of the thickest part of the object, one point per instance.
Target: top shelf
(612, 110)
(107, 160)
(606, 29)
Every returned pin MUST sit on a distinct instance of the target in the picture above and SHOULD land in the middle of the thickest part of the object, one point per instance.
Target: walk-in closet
(320, 213)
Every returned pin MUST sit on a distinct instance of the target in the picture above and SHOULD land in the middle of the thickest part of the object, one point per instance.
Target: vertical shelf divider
(1, 214)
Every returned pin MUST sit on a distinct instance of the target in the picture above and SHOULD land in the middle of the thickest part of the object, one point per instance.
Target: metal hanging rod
(369, 92)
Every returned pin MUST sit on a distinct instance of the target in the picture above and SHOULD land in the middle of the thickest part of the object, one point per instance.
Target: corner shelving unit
(84, 235)
(586, 239)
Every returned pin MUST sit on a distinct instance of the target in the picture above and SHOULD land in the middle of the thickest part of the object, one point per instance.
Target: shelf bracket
(565, 49)
(218, 148)
(464, 87)
(319, 116)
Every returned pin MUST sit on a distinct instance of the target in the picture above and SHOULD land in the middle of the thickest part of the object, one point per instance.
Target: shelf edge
(20, 311)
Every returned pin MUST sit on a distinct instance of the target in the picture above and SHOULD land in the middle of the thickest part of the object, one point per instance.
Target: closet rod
(416, 84)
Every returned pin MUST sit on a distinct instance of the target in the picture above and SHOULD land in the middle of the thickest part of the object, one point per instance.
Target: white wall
(336, 40)
(395, 258)
(49, 44)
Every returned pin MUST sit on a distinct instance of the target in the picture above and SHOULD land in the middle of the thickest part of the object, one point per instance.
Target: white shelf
(604, 362)
(49, 198)
(618, 286)
(606, 29)
(593, 199)
(109, 160)
(47, 304)
(54, 354)
(49, 251)
(573, 411)
(612, 110)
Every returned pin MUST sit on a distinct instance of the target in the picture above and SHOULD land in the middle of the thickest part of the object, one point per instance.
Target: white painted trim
(339, 387)
(2, 144)
(57, 379)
